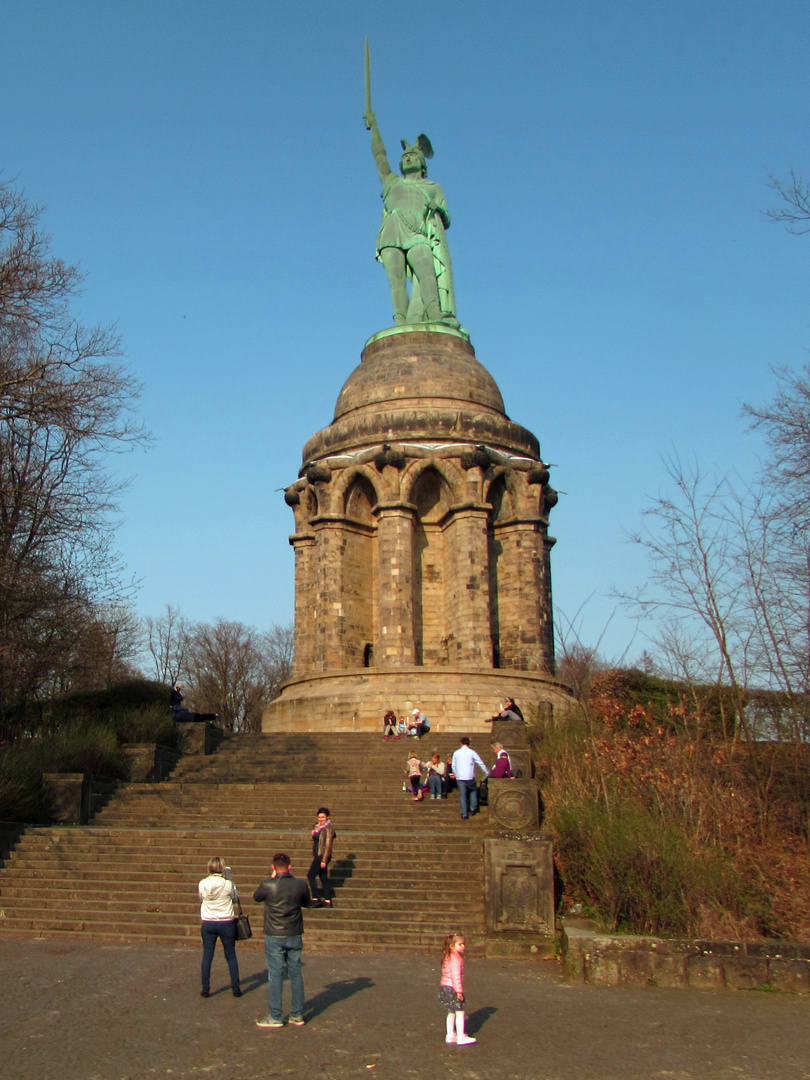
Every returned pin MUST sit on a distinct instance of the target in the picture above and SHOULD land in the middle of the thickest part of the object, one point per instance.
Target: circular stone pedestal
(453, 700)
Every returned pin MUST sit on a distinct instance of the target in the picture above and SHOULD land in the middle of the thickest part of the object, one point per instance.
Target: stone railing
(73, 798)
(10, 833)
(518, 858)
(628, 960)
(148, 763)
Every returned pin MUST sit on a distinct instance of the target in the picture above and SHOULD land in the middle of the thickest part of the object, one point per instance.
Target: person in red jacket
(502, 766)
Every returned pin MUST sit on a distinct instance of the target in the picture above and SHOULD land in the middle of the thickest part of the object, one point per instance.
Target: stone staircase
(404, 873)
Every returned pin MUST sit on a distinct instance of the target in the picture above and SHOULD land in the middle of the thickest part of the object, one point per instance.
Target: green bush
(148, 724)
(76, 749)
(637, 873)
(38, 719)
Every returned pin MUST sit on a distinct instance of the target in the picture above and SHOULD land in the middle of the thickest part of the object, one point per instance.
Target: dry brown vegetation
(667, 823)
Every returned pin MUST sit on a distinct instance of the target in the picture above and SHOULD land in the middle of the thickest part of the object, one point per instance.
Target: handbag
(243, 930)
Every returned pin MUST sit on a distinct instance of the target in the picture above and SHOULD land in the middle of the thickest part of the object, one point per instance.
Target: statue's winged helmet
(422, 147)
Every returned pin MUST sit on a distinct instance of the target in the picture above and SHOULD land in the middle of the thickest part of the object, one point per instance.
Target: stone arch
(501, 497)
(432, 495)
(449, 472)
(349, 479)
(359, 500)
(355, 496)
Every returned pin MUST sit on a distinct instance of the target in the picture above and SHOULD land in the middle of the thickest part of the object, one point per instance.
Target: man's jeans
(278, 951)
(467, 796)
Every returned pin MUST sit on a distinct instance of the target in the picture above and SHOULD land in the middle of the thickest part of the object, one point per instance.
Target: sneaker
(465, 1040)
(269, 1022)
(450, 1038)
(299, 1021)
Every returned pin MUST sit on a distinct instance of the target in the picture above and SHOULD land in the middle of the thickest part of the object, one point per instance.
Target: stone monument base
(453, 699)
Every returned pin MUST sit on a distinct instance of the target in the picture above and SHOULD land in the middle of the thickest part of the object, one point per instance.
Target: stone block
(519, 885)
(668, 969)
(199, 738)
(602, 969)
(66, 797)
(746, 972)
(513, 806)
(705, 972)
(636, 966)
(792, 976)
(510, 734)
(147, 762)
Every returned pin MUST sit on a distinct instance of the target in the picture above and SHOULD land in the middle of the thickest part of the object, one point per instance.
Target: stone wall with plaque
(519, 890)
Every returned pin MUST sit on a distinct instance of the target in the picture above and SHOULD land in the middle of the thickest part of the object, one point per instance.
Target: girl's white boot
(461, 1038)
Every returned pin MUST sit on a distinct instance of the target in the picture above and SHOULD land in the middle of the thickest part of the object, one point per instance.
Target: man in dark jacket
(283, 896)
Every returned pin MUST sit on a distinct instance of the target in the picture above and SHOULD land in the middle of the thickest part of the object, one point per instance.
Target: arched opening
(359, 564)
(501, 503)
(431, 495)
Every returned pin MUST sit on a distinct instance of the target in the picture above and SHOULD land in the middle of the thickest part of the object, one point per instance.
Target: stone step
(371, 858)
(448, 880)
(333, 919)
(326, 942)
(403, 871)
(180, 902)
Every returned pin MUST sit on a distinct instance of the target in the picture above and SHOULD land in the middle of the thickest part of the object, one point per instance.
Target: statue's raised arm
(411, 242)
(378, 147)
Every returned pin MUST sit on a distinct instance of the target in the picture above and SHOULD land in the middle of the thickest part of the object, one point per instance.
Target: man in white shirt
(463, 766)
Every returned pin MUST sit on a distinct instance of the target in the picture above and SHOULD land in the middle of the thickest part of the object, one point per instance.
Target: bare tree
(106, 651)
(167, 643)
(278, 650)
(794, 209)
(64, 408)
(786, 426)
(234, 671)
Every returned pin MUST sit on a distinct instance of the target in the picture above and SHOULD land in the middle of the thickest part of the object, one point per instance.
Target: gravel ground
(86, 1011)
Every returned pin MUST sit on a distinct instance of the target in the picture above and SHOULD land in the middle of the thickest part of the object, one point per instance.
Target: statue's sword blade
(368, 83)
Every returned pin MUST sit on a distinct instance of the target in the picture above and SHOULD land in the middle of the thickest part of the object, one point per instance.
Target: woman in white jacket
(217, 896)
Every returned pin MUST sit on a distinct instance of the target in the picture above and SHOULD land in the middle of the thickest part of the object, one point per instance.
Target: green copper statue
(412, 241)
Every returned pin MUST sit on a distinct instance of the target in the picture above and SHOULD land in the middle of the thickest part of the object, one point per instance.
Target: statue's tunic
(409, 209)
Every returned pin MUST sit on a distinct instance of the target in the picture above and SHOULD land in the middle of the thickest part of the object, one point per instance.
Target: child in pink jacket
(451, 991)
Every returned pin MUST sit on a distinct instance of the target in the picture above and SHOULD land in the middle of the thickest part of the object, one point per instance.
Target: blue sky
(605, 165)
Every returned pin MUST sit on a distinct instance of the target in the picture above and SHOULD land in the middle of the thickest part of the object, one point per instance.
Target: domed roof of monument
(407, 364)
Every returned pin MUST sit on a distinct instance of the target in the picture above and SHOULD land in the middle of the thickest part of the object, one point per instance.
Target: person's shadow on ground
(335, 992)
(476, 1020)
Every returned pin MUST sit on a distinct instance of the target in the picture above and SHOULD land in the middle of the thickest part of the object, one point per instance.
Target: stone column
(521, 575)
(468, 616)
(395, 644)
(303, 545)
(325, 609)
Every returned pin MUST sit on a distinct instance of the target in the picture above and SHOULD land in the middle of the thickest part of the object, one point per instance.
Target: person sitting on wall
(183, 715)
(503, 766)
(179, 711)
(509, 711)
(420, 725)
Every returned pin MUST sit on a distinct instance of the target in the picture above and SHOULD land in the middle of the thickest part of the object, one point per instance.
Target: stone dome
(409, 364)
